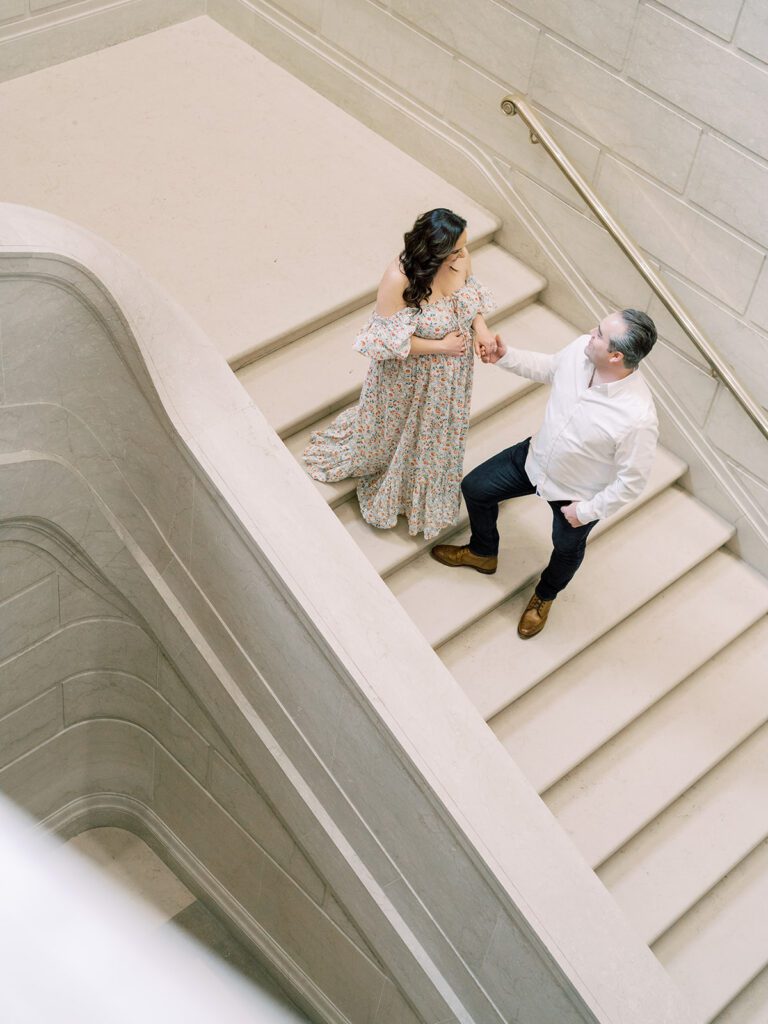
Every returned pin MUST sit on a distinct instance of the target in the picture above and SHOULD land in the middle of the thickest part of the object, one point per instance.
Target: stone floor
(131, 863)
(132, 143)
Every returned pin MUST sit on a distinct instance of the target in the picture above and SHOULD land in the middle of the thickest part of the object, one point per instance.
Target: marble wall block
(590, 247)
(29, 616)
(78, 648)
(669, 329)
(491, 36)
(602, 27)
(618, 115)
(752, 32)
(474, 107)
(308, 12)
(548, 1004)
(367, 771)
(116, 412)
(290, 916)
(179, 696)
(20, 567)
(248, 807)
(758, 489)
(205, 829)
(95, 757)
(117, 695)
(691, 385)
(688, 242)
(79, 602)
(12, 9)
(343, 972)
(733, 186)
(338, 915)
(737, 437)
(703, 77)
(758, 307)
(44, 5)
(393, 1009)
(746, 350)
(398, 53)
(30, 726)
(62, 39)
(718, 16)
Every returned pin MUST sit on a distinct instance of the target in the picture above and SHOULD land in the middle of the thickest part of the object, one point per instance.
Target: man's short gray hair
(638, 339)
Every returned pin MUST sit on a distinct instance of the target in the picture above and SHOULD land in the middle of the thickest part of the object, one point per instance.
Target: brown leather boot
(534, 618)
(453, 555)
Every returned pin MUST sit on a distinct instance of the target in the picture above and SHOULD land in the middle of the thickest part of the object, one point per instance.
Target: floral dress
(405, 438)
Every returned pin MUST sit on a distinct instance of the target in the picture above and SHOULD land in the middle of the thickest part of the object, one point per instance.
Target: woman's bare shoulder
(389, 298)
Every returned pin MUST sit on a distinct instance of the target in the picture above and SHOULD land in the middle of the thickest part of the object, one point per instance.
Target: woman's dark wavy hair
(430, 241)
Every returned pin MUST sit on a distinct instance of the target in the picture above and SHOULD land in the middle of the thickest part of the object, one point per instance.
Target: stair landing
(251, 203)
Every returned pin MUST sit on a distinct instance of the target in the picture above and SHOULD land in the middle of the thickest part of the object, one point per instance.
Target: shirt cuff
(584, 513)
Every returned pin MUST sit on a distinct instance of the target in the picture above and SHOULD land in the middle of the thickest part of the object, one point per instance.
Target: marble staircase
(641, 713)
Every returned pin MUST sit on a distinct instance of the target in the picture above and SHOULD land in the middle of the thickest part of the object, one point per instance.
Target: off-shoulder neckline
(444, 297)
(413, 309)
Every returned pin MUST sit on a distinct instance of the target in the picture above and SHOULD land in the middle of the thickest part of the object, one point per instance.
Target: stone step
(443, 601)
(534, 327)
(689, 622)
(751, 1004)
(604, 802)
(598, 599)
(669, 866)
(492, 428)
(722, 944)
(320, 373)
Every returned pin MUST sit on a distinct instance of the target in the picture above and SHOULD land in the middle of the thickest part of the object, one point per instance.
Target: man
(592, 455)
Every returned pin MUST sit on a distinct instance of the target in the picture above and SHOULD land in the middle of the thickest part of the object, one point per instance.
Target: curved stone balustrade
(193, 648)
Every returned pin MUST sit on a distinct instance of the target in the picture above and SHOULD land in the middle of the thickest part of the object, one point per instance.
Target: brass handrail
(539, 135)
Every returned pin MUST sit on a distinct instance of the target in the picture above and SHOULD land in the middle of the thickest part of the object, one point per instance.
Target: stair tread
(750, 1006)
(353, 281)
(639, 773)
(494, 666)
(442, 602)
(722, 944)
(667, 868)
(540, 329)
(319, 373)
(620, 675)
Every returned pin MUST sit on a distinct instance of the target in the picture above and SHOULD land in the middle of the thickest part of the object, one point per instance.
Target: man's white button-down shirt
(596, 444)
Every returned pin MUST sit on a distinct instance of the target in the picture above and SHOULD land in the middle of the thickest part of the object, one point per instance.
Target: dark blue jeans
(502, 477)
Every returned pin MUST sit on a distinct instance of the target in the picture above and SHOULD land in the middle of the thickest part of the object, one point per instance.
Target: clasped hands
(488, 347)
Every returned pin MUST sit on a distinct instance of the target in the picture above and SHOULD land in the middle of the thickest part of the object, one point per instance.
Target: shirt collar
(615, 386)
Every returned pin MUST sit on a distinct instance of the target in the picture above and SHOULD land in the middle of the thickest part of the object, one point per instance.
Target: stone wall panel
(624, 119)
(703, 77)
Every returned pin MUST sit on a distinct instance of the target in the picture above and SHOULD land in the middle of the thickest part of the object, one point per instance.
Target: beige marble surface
(129, 861)
(132, 143)
(752, 31)
(626, 119)
(490, 35)
(718, 16)
(693, 71)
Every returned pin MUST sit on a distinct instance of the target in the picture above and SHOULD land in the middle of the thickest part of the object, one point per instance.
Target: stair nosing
(502, 599)
(242, 359)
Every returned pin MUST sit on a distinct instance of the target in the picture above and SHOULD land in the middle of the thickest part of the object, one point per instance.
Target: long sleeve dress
(405, 438)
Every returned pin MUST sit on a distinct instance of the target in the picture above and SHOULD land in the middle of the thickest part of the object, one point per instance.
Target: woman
(405, 439)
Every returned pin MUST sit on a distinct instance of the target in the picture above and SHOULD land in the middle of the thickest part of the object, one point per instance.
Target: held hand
(485, 342)
(569, 511)
(454, 344)
(498, 352)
